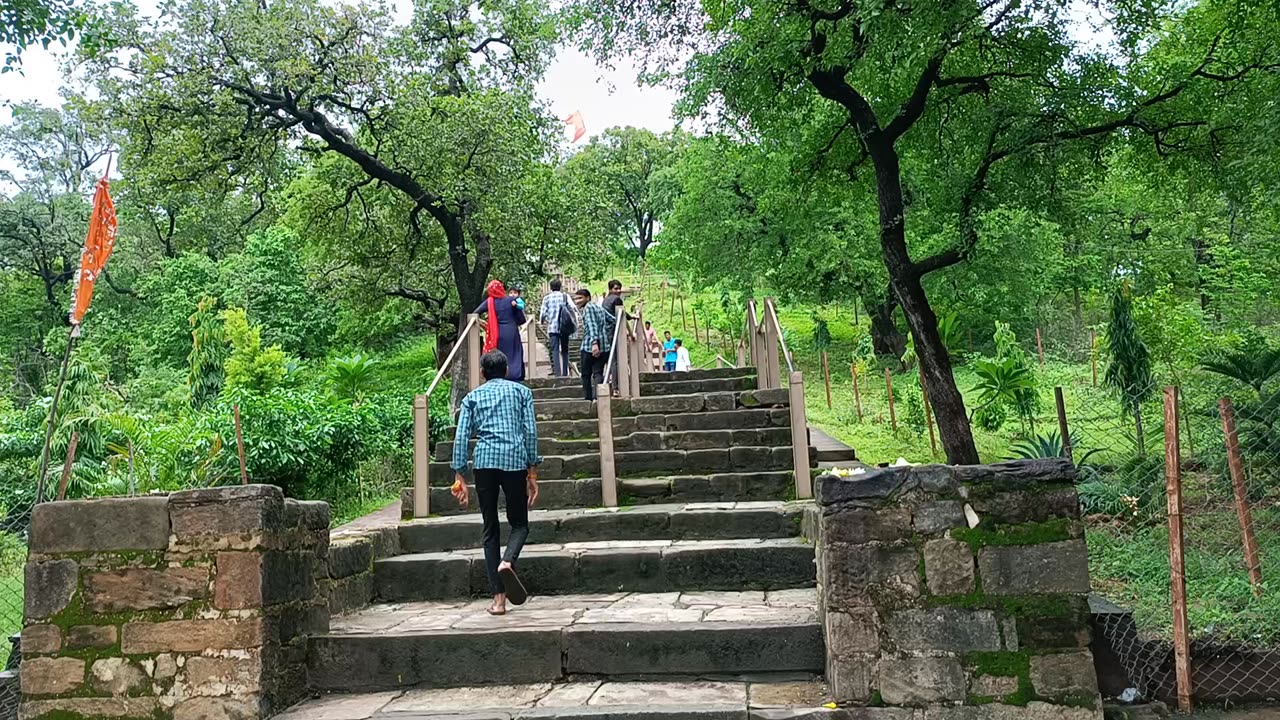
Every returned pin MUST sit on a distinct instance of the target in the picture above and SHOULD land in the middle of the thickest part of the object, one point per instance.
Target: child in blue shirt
(669, 347)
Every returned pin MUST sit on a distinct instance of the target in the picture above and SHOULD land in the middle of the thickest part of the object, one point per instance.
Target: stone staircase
(704, 574)
(701, 436)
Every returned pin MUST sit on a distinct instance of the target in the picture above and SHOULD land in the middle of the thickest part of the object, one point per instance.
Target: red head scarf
(495, 291)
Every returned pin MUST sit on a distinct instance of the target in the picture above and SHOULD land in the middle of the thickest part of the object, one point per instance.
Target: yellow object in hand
(457, 486)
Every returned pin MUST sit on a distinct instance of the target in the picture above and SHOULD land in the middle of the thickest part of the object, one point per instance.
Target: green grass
(345, 511)
(10, 611)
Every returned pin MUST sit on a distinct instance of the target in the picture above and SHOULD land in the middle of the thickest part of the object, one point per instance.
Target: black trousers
(592, 372)
(512, 484)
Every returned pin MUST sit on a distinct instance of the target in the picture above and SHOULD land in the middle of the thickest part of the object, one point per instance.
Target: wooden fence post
(694, 313)
(826, 377)
(68, 464)
(1177, 559)
(1243, 513)
(799, 437)
(684, 317)
(857, 394)
(1040, 346)
(1062, 423)
(608, 470)
(422, 458)
(888, 383)
(244, 473)
(928, 413)
(1093, 355)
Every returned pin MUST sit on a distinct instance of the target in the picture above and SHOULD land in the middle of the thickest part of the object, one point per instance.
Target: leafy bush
(251, 366)
(352, 378)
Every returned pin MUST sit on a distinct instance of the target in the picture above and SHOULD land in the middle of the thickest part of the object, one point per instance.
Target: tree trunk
(886, 338)
(646, 235)
(948, 405)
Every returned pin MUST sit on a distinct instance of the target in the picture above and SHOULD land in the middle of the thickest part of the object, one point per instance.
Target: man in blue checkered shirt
(596, 339)
(500, 414)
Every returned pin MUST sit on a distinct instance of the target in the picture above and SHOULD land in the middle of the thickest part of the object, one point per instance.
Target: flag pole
(42, 478)
(53, 410)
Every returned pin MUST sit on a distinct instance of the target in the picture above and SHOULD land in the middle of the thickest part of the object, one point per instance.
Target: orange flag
(97, 248)
(579, 127)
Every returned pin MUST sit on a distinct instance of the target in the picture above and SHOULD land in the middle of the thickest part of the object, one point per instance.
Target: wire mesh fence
(1149, 469)
(14, 520)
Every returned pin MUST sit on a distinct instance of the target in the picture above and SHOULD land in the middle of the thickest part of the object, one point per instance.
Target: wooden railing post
(799, 437)
(531, 345)
(742, 354)
(422, 458)
(473, 354)
(622, 356)
(608, 470)
(1177, 559)
(771, 352)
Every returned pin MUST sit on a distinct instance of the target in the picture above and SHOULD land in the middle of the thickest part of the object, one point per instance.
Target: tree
(44, 22)
(208, 353)
(625, 166)
(995, 88)
(1129, 372)
(438, 112)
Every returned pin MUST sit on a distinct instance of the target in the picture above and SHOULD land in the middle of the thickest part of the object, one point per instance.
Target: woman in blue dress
(503, 318)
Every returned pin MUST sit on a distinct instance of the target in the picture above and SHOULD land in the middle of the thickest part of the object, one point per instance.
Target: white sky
(573, 83)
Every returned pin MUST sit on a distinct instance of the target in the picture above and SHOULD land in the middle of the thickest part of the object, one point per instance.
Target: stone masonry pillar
(191, 606)
(961, 591)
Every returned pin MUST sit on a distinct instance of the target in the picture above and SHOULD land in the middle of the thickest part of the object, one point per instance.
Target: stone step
(740, 419)
(693, 521)
(663, 404)
(774, 696)
(718, 487)
(586, 492)
(451, 644)
(690, 387)
(552, 495)
(653, 566)
(571, 388)
(687, 440)
(705, 374)
(634, 463)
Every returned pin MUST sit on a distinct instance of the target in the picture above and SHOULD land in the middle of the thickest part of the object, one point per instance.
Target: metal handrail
(772, 314)
(448, 360)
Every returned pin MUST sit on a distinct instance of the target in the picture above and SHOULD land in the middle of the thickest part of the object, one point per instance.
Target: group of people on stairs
(500, 412)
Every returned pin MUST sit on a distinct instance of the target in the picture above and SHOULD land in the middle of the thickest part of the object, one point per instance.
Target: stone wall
(351, 558)
(958, 589)
(189, 606)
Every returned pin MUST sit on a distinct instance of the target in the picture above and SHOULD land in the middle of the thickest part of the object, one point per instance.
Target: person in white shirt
(682, 357)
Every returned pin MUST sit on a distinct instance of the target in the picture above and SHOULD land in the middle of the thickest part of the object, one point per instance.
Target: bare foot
(499, 606)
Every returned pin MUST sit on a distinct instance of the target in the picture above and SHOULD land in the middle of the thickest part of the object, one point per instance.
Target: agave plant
(1047, 446)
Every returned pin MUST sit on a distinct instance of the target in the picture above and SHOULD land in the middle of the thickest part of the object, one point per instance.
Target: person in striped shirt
(500, 414)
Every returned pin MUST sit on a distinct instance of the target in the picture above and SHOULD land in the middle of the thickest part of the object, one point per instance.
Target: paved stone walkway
(559, 611)
(610, 699)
